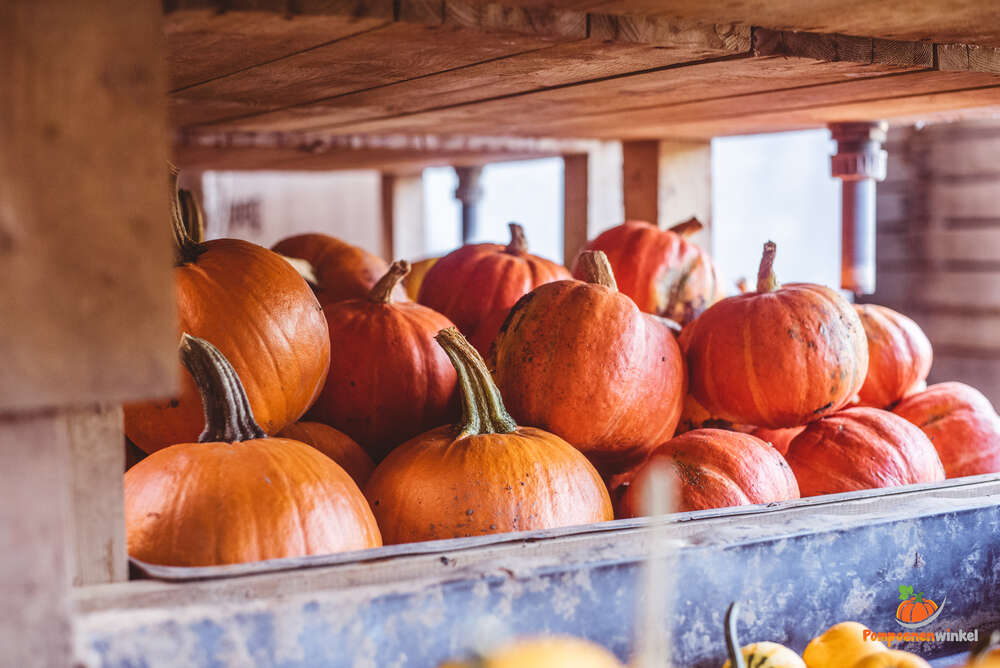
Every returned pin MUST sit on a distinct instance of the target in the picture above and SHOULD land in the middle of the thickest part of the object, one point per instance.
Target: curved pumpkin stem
(185, 219)
(518, 242)
(688, 227)
(381, 292)
(483, 411)
(766, 280)
(228, 417)
(732, 639)
(595, 268)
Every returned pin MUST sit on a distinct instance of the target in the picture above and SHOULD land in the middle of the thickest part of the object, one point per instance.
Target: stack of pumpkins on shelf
(514, 395)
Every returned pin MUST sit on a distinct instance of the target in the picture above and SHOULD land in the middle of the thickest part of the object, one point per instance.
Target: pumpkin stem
(228, 417)
(595, 268)
(732, 641)
(186, 220)
(688, 227)
(483, 411)
(766, 280)
(382, 291)
(518, 242)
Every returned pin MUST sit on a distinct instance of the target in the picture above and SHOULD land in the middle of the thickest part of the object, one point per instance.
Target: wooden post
(403, 216)
(592, 195)
(575, 210)
(469, 193)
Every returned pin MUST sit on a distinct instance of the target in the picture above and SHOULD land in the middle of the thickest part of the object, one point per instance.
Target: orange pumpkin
(781, 439)
(262, 315)
(663, 272)
(476, 285)
(899, 355)
(484, 475)
(891, 658)
(388, 380)
(415, 278)
(778, 357)
(336, 445)
(342, 271)
(237, 495)
(962, 425)
(861, 448)
(915, 609)
(579, 359)
(716, 469)
(694, 416)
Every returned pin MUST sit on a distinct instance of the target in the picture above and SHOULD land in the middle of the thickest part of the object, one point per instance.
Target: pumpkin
(388, 380)
(579, 359)
(476, 285)
(962, 425)
(985, 653)
(415, 278)
(663, 272)
(778, 357)
(899, 355)
(841, 645)
(342, 271)
(763, 654)
(891, 658)
(133, 455)
(336, 445)
(236, 495)
(544, 652)
(861, 448)
(781, 439)
(261, 314)
(915, 609)
(694, 416)
(484, 475)
(716, 469)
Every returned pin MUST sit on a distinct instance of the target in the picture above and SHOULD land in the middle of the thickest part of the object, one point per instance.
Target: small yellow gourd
(544, 652)
(759, 654)
(892, 658)
(986, 652)
(840, 646)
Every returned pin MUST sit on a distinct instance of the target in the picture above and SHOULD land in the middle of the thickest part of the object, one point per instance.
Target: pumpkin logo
(915, 611)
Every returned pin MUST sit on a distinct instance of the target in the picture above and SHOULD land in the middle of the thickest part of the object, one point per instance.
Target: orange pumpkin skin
(962, 425)
(485, 475)
(582, 361)
(336, 445)
(694, 416)
(899, 355)
(262, 315)
(778, 357)
(483, 281)
(912, 610)
(781, 439)
(861, 448)
(663, 272)
(343, 271)
(389, 380)
(716, 468)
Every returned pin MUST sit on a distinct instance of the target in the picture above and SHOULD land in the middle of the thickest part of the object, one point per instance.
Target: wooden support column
(469, 193)
(592, 195)
(667, 182)
(403, 216)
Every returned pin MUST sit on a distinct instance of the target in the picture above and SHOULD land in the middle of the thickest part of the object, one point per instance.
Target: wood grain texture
(86, 300)
(575, 205)
(403, 224)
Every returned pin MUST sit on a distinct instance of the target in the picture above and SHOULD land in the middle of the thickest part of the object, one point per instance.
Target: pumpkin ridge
(753, 385)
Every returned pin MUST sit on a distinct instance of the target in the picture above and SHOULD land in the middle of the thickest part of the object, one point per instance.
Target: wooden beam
(403, 216)
(641, 180)
(576, 210)
(667, 182)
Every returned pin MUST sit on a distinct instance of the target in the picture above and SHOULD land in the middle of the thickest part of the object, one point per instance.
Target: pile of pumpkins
(322, 409)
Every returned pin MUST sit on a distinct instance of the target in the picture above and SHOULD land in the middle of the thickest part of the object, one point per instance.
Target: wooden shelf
(556, 70)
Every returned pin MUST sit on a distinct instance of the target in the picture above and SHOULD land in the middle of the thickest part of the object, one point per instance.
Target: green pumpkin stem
(483, 411)
(382, 291)
(732, 639)
(595, 268)
(688, 227)
(228, 417)
(518, 242)
(185, 219)
(766, 280)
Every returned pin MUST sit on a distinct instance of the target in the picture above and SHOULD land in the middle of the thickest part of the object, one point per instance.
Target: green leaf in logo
(905, 592)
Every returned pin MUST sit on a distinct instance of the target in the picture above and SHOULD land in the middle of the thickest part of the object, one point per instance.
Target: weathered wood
(969, 57)
(576, 185)
(641, 180)
(97, 455)
(403, 224)
(86, 300)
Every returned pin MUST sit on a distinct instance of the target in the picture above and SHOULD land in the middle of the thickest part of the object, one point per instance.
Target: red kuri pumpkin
(476, 285)
(962, 425)
(342, 271)
(716, 468)
(694, 416)
(579, 359)
(778, 357)
(262, 315)
(336, 445)
(661, 270)
(388, 380)
(899, 355)
(236, 495)
(861, 448)
(484, 475)
(781, 439)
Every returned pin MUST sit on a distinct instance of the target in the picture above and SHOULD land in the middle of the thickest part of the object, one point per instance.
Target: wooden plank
(641, 180)
(970, 331)
(975, 245)
(97, 455)
(403, 224)
(575, 205)
(87, 301)
(900, 288)
(685, 187)
(975, 157)
(35, 541)
(982, 374)
(968, 57)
